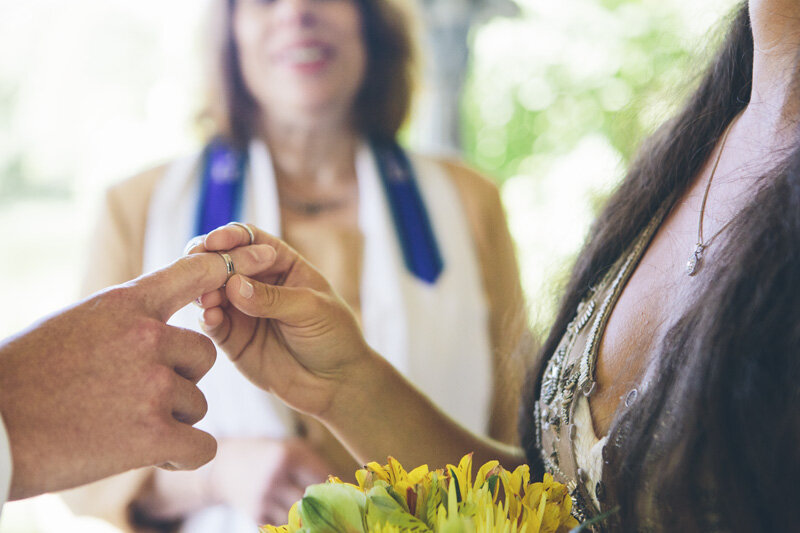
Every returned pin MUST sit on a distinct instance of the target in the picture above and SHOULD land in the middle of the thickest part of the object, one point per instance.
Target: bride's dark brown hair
(715, 440)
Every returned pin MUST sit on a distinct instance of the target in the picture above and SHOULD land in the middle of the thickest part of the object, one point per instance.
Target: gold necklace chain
(693, 264)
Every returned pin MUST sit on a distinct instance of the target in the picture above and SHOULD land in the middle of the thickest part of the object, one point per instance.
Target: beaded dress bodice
(569, 381)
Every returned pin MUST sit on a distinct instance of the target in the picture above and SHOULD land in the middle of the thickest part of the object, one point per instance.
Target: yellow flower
(388, 499)
(274, 529)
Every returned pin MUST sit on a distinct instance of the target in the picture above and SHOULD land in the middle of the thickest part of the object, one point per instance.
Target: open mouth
(306, 55)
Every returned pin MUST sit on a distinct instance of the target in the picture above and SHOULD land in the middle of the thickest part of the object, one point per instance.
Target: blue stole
(221, 189)
(224, 169)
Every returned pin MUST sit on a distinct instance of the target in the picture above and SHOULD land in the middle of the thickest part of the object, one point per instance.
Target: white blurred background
(556, 99)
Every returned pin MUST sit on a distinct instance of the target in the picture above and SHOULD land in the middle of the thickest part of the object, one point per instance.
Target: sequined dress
(569, 448)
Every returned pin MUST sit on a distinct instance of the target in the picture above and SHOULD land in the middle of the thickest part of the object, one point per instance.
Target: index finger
(288, 260)
(165, 291)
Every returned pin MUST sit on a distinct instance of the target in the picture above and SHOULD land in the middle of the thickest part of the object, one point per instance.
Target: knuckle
(201, 403)
(198, 265)
(203, 265)
(161, 383)
(147, 333)
(115, 295)
(208, 355)
(197, 449)
(114, 300)
(208, 448)
(319, 301)
(307, 297)
(272, 298)
(205, 355)
(210, 268)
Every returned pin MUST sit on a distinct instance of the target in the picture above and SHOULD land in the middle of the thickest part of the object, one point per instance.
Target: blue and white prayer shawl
(425, 330)
(224, 169)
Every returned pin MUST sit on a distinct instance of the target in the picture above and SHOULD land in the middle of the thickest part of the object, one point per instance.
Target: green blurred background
(557, 100)
(557, 103)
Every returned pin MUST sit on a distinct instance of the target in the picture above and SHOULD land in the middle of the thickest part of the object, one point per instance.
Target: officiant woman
(306, 100)
(668, 387)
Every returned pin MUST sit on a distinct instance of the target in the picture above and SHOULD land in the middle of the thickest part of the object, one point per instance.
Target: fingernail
(245, 289)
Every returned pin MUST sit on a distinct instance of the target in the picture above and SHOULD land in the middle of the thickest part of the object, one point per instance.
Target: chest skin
(659, 292)
(654, 298)
(333, 243)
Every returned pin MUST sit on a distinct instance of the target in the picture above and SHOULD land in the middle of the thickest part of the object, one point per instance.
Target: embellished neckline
(569, 376)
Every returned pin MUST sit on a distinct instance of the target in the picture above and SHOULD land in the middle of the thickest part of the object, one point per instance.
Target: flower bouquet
(388, 499)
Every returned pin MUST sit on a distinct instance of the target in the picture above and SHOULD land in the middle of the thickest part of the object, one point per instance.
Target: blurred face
(301, 57)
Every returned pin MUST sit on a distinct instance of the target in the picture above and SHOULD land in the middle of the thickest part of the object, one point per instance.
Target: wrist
(362, 387)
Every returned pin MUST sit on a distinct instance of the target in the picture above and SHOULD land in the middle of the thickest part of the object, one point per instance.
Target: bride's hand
(288, 332)
(285, 328)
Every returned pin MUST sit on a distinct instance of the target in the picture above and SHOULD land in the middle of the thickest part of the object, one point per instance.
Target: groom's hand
(106, 386)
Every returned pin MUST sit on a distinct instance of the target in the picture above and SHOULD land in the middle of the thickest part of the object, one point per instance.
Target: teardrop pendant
(693, 264)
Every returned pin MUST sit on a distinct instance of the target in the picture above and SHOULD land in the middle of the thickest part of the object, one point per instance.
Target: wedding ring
(194, 241)
(246, 228)
(229, 270)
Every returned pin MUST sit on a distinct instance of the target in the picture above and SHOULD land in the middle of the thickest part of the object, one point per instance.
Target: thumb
(165, 291)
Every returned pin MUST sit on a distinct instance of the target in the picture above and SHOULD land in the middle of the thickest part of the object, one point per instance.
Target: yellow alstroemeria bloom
(438, 501)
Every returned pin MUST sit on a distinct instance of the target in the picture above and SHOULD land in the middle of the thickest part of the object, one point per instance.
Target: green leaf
(399, 499)
(338, 504)
(435, 499)
(380, 505)
(454, 479)
(492, 481)
(468, 510)
(316, 516)
(596, 520)
(407, 523)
